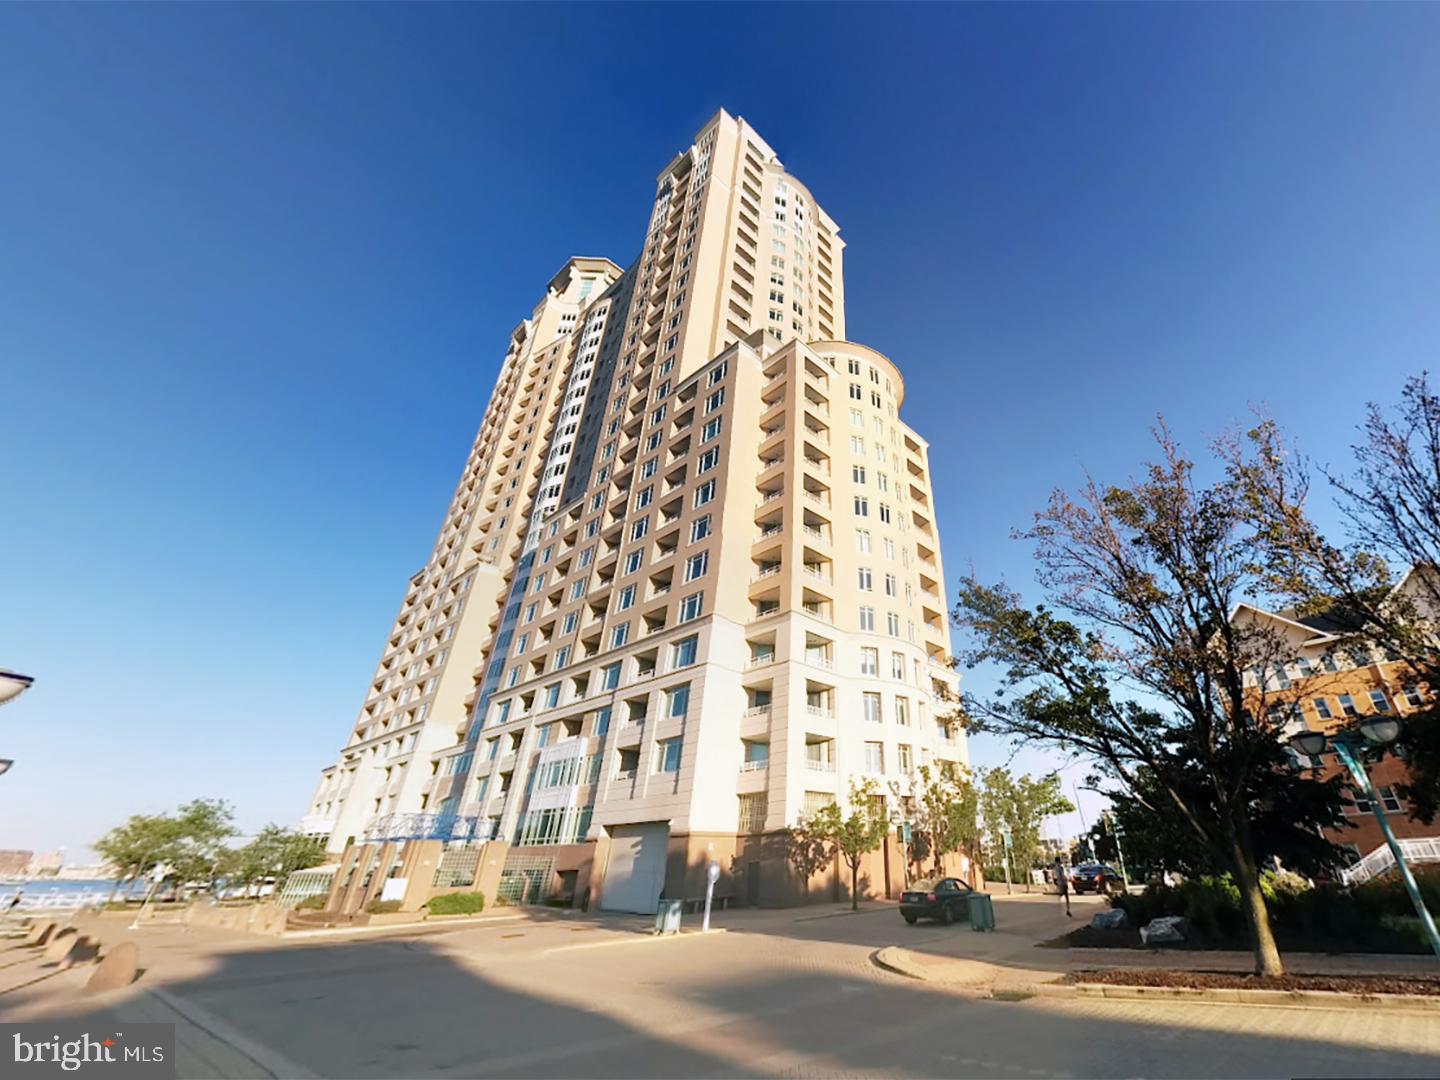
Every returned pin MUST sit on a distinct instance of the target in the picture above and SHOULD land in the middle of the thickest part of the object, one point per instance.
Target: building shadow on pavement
(693, 1007)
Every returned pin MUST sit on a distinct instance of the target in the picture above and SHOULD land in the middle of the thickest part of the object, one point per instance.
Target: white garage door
(635, 872)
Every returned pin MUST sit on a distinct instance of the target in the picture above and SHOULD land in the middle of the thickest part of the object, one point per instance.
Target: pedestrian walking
(1062, 881)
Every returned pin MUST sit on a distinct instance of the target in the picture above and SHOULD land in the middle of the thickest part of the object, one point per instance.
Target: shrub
(1374, 917)
(312, 903)
(383, 907)
(465, 903)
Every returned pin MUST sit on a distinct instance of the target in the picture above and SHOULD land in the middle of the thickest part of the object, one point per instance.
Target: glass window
(682, 653)
(700, 528)
(678, 701)
(872, 709)
(692, 606)
(667, 756)
(869, 661)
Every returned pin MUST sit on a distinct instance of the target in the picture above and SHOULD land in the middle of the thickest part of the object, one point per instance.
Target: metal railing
(1415, 849)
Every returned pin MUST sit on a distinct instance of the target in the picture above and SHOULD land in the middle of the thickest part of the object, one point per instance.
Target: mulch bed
(1232, 980)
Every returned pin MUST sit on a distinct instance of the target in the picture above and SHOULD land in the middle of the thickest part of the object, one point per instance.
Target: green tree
(273, 852)
(187, 844)
(1150, 672)
(1020, 807)
(1390, 508)
(855, 835)
(947, 812)
(1287, 808)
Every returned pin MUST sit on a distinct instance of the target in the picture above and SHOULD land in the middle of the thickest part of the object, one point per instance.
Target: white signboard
(394, 888)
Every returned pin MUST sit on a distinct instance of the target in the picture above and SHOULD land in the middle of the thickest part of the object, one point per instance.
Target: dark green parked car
(943, 899)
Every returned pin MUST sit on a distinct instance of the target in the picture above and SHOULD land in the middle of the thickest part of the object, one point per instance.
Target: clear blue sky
(257, 264)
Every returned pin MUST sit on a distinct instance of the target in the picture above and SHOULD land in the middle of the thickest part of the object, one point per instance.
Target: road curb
(1302, 998)
(899, 961)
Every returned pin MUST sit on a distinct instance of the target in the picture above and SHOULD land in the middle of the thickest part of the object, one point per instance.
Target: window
(753, 808)
(667, 756)
(857, 473)
(704, 493)
(626, 599)
(522, 643)
(856, 392)
(699, 529)
(897, 665)
(885, 513)
(857, 444)
(502, 712)
(577, 589)
(874, 757)
(872, 709)
(862, 541)
(892, 624)
(890, 589)
(677, 701)
(904, 757)
(620, 635)
(648, 469)
(640, 528)
(610, 676)
(1347, 705)
(857, 418)
(1413, 697)
(711, 429)
(692, 606)
(633, 560)
(866, 579)
(889, 546)
(552, 695)
(862, 506)
(717, 374)
(869, 661)
(715, 400)
(1379, 701)
(708, 460)
(682, 653)
(696, 565)
(602, 719)
(1322, 708)
(562, 657)
(867, 618)
(902, 712)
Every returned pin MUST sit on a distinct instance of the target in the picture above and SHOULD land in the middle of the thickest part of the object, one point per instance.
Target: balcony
(758, 710)
(820, 765)
(821, 711)
(754, 766)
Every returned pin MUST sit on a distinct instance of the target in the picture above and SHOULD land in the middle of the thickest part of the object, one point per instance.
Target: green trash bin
(982, 911)
(667, 916)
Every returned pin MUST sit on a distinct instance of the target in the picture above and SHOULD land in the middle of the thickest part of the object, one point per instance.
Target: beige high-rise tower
(689, 588)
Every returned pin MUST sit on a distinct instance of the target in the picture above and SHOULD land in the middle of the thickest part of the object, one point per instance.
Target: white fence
(1416, 850)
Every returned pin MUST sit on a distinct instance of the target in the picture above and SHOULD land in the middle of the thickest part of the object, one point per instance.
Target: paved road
(776, 995)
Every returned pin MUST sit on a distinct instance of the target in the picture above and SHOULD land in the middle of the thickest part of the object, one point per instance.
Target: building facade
(691, 580)
(1323, 681)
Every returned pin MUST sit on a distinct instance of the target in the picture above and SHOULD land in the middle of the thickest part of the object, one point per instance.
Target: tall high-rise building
(688, 589)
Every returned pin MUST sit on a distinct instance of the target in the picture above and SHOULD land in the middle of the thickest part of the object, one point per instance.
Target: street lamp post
(1380, 732)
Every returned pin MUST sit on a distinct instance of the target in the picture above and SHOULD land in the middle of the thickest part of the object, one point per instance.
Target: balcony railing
(819, 765)
(758, 710)
(821, 711)
(754, 766)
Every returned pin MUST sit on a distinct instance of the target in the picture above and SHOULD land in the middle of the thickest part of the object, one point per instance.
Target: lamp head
(1380, 730)
(5, 764)
(13, 684)
(1309, 743)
